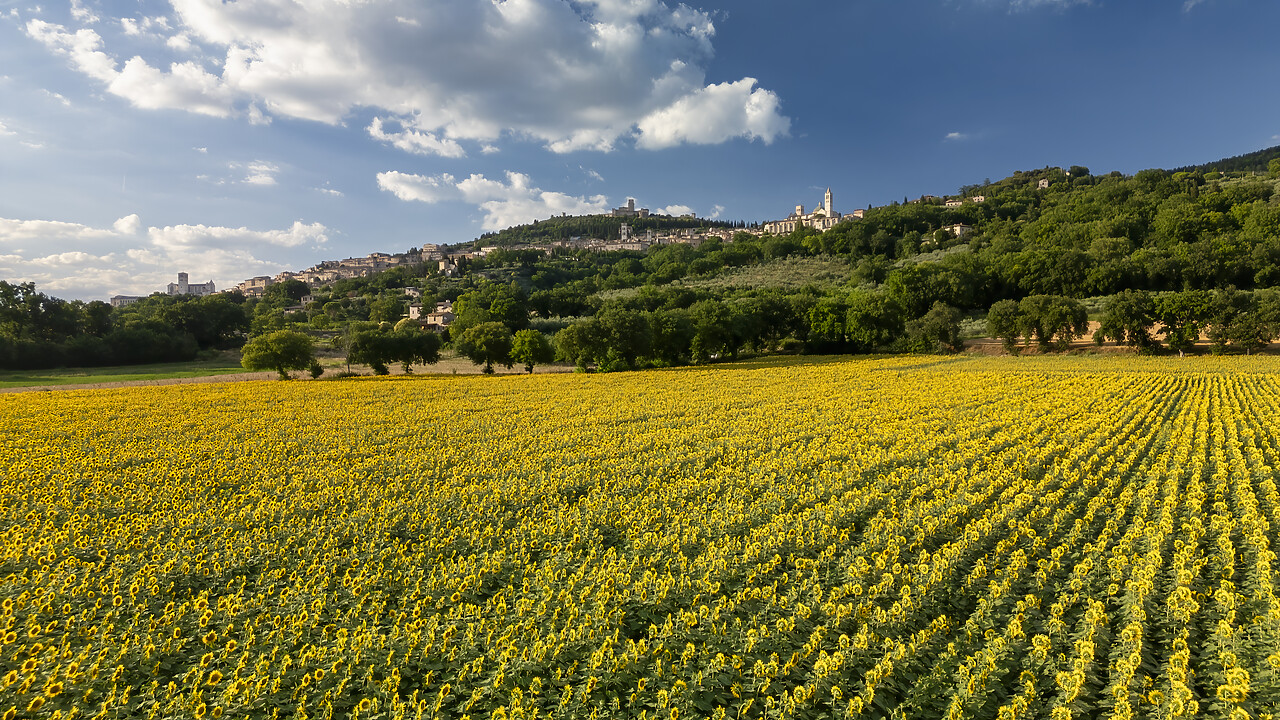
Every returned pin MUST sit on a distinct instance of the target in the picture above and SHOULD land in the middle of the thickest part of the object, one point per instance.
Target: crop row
(873, 538)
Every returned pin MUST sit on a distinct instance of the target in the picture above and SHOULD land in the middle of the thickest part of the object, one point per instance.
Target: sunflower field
(898, 537)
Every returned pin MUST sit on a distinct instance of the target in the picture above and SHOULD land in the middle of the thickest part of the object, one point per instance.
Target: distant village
(446, 259)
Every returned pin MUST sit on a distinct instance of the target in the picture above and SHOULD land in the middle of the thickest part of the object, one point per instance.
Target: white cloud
(201, 150)
(418, 188)
(41, 231)
(330, 191)
(89, 262)
(261, 173)
(186, 86)
(676, 210)
(180, 42)
(58, 97)
(714, 114)
(256, 172)
(716, 212)
(573, 75)
(956, 136)
(513, 202)
(416, 142)
(5, 131)
(1186, 6)
(593, 174)
(151, 26)
(128, 225)
(194, 236)
(71, 258)
(83, 14)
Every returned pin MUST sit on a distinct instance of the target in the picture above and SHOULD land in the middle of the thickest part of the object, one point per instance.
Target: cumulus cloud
(716, 212)
(86, 262)
(714, 113)
(508, 203)
(152, 26)
(419, 188)
(676, 210)
(128, 225)
(186, 85)
(176, 237)
(72, 258)
(571, 74)
(413, 141)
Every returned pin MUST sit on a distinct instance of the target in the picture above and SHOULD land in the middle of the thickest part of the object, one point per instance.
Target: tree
(286, 293)
(387, 308)
(714, 328)
(379, 347)
(1273, 168)
(1004, 321)
(1128, 319)
(827, 318)
(938, 329)
(627, 333)
(486, 343)
(581, 343)
(530, 347)
(415, 346)
(673, 333)
(1183, 315)
(282, 351)
(873, 320)
(1052, 320)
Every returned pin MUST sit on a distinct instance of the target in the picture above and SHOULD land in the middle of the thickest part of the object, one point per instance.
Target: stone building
(823, 217)
(183, 287)
(629, 210)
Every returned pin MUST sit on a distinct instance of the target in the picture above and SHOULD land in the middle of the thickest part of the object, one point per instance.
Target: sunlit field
(912, 537)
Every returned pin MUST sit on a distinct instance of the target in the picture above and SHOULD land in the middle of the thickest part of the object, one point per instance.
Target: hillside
(1258, 162)
(603, 227)
(1030, 258)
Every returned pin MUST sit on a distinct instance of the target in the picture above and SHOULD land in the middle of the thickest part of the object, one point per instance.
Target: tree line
(920, 275)
(38, 331)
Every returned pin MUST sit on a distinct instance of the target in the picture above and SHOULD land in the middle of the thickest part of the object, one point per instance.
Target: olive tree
(530, 347)
(282, 351)
(486, 344)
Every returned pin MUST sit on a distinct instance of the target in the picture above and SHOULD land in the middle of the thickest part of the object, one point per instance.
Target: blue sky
(142, 138)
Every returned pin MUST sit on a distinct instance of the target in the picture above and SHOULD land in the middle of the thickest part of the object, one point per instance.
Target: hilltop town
(445, 258)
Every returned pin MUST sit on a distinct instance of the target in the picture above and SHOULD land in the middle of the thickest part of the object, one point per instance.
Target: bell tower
(826, 202)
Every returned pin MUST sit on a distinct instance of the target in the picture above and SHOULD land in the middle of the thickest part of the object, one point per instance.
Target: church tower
(826, 202)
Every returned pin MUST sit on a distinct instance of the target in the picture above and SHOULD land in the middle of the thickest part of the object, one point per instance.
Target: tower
(826, 203)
